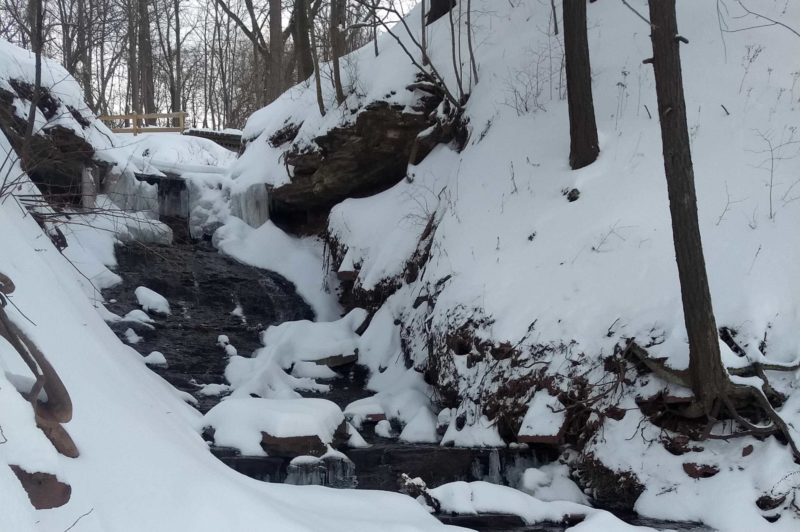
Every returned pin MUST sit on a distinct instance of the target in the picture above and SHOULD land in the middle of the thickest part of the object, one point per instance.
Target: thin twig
(636, 12)
(78, 519)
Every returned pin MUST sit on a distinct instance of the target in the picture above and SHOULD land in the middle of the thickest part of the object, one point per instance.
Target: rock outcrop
(57, 158)
(358, 160)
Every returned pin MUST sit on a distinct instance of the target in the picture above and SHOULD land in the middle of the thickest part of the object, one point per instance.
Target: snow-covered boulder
(293, 427)
(152, 301)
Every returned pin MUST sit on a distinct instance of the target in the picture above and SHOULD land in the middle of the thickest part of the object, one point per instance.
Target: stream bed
(212, 295)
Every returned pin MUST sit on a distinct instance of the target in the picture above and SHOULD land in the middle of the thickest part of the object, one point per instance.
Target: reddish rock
(292, 445)
(311, 445)
(700, 470)
(44, 490)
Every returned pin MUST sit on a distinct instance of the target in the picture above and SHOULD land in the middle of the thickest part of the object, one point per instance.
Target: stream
(211, 295)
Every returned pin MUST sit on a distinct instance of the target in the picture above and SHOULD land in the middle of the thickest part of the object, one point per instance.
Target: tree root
(731, 400)
(57, 408)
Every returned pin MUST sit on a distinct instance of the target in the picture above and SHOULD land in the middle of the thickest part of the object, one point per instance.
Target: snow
(481, 497)
(354, 438)
(151, 301)
(131, 337)
(480, 433)
(402, 406)
(173, 151)
(384, 429)
(545, 416)
(308, 341)
(156, 358)
(292, 345)
(312, 370)
(225, 344)
(138, 316)
(551, 482)
(213, 389)
(239, 422)
(421, 428)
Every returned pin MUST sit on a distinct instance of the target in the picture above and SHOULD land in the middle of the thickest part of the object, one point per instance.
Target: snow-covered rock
(253, 424)
(152, 301)
(421, 428)
(156, 358)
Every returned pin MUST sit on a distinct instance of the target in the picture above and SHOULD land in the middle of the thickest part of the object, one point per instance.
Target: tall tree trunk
(338, 14)
(177, 103)
(83, 28)
(133, 63)
(583, 145)
(36, 21)
(423, 38)
(375, 25)
(317, 74)
(302, 43)
(709, 379)
(147, 82)
(275, 49)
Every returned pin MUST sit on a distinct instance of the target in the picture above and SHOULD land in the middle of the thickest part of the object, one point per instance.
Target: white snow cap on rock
(239, 422)
(471, 498)
(152, 301)
(421, 428)
(309, 341)
(156, 358)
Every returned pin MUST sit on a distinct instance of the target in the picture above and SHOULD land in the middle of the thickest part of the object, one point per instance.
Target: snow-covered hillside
(142, 463)
(494, 281)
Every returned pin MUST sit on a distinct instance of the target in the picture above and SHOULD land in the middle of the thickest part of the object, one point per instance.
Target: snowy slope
(143, 464)
(568, 283)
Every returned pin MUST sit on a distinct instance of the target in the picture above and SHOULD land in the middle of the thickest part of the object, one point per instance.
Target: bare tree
(337, 20)
(708, 377)
(584, 146)
(301, 34)
(276, 46)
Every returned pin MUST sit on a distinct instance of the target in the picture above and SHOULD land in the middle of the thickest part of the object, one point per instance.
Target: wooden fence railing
(136, 122)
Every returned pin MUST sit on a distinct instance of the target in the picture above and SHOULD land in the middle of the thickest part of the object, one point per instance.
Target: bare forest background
(218, 60)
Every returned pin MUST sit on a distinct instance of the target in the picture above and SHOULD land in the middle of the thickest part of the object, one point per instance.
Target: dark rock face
(380, 466)
(354, 161)
(57, 157)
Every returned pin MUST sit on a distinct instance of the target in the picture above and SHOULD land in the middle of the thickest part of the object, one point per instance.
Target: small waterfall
(506, 468)
(333, 469)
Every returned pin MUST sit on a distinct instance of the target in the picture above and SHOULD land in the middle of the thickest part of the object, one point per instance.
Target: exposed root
(731, 401)
(57, 408)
